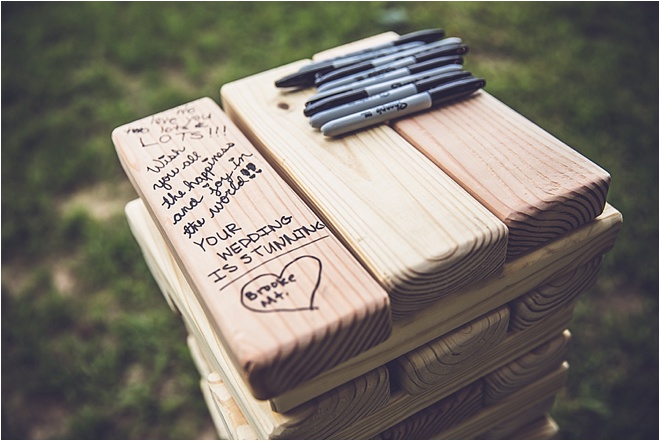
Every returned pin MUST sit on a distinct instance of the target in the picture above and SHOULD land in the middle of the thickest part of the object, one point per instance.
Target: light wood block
(286, 298)
(218, 417)
(528, 368)
(439, 416)
(236, 425)
(345, 403)
(537, 185)
(417, 231)
(425, 366)
(533, 306)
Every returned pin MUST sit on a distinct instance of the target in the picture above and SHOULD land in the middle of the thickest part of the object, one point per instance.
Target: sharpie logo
(392, 107)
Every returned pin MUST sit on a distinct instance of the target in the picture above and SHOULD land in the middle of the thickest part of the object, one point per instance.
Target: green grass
(89, 347)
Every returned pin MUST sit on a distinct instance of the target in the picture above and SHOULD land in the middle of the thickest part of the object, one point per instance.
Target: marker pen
(430, 67)
(373, 89)
(441, 52)
(318, 119)
(406, 106)
(423, 36)
(386, 59)
(305, 75)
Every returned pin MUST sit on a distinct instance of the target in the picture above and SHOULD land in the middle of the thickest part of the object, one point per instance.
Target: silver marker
(318, 119)
(406, 106)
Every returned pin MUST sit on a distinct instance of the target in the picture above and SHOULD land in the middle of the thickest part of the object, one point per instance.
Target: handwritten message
(198, 174)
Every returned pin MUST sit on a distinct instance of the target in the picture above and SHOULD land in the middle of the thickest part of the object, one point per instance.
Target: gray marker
(374, 89)
(443, 53)
(406, 106)
(318, 119)
(387, 59)
(403, 76)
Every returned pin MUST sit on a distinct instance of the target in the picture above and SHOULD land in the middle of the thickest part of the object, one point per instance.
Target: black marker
(318, 119)
(388, 76)
(424, 36)
(440, 52)
(446, 47)
(374, 89)
(406, 106)
(306, 75)
(306, 78)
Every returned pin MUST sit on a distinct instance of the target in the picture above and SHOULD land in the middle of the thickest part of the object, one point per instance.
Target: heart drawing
(293, 289)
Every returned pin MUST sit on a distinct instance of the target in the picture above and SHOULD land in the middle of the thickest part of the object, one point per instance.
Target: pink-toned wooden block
(537, 185)
(285, 297)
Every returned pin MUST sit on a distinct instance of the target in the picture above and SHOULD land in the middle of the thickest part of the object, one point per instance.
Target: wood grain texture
(424, 367)
(266, 422)
(439, 416)
(402, 404)
(340, 407)
(417, 231)
(506, 428)
(517, 278)
(537, 185)
(542, 428)
(533, 306)
(218, 417)
(516, 404)
(352, 399)
(287, 299)
(528, 368)
(236, 426)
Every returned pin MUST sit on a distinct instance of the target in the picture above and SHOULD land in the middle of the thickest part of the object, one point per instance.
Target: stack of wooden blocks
(414, 280)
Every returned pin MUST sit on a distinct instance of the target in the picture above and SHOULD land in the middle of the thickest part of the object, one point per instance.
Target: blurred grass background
(89, 347)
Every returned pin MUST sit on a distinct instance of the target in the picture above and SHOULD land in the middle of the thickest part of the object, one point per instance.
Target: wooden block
(286, 298)
(217, 417)
(236, 426)
(526, 369)
(542, 428)
(346, 402)
(533, 306)
(198, 357)
(418, 232)
(439, 416)
(260, 414)
(340, 407)
(516, 404)
(402, 405)
(519, 421)
(421, 368)
(537, 185)
(518, 277)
